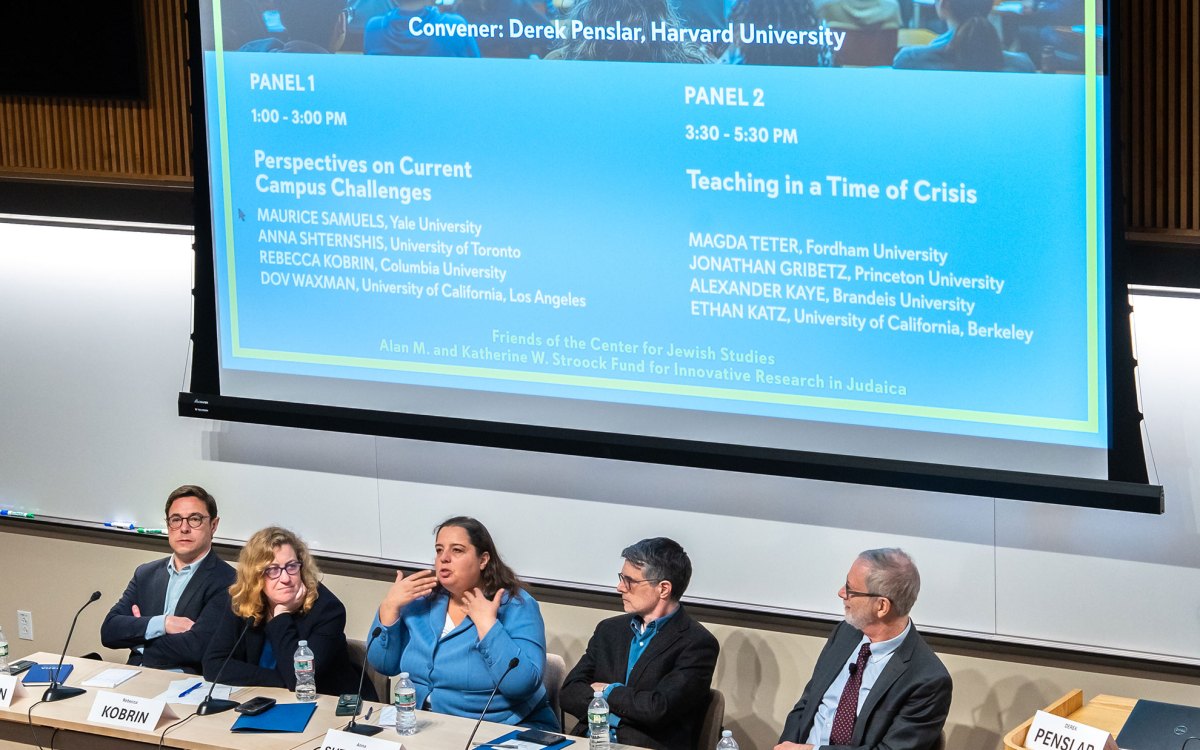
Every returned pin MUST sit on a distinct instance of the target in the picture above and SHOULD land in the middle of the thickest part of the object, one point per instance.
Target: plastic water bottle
(306, 674)
(3, 652)
(404, 698)
(727, 742)
(598, 722)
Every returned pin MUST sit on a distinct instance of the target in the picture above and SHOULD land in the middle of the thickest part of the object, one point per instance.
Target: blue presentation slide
(896, 248)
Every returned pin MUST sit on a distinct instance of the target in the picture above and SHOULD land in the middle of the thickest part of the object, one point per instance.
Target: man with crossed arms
(654, 664)
(876, 682)
(171, 607)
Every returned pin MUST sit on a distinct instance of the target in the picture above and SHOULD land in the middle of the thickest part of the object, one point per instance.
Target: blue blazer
(456, 674)
(204, 600)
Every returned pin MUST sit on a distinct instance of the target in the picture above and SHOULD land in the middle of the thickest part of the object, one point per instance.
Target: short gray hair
(893, 574)
(661, 559)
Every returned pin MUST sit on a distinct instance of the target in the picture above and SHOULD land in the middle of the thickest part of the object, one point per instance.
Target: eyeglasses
(274, 571)
(631, 582)
(194, 521)
(849, 593)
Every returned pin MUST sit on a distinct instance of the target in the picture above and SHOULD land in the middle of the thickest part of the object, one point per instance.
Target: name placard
(129, 711)
(10, 689)
(1050, 732)
(338, 740)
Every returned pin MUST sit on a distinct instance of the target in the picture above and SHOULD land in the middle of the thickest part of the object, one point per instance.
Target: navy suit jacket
(323, 626)
(204, 600)
(906, 707)
(663, 702)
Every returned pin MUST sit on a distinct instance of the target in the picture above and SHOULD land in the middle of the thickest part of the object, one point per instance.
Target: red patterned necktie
(847, 710)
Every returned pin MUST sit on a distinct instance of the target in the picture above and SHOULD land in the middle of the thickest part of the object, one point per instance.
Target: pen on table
(15, 514)
(156, 532)
(370, 711)
(120, 525)
(493, 744)
(193, 687)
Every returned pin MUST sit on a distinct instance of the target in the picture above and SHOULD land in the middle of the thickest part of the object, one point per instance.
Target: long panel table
(69, 718)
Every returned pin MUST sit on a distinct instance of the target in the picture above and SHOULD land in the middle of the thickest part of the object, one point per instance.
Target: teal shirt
(642, 635)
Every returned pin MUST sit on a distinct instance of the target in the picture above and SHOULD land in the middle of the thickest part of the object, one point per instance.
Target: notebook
(43, 674)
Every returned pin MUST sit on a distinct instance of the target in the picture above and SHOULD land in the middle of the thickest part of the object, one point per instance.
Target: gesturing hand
(403, 592)
(482, 611)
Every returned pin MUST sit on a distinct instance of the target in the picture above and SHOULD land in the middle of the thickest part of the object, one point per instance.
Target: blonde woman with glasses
(278, 596)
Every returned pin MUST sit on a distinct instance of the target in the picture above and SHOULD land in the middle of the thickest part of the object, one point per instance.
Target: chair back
(553, 677)
(357, 650)
(714, 719)
(868, 47)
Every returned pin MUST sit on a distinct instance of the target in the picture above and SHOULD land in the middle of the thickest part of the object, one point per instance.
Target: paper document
(110, 678)
(193, 697)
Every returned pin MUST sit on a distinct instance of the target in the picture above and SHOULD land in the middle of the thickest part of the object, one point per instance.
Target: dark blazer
(906, 707)
(323, 626)
(204, 600)
(662, 705)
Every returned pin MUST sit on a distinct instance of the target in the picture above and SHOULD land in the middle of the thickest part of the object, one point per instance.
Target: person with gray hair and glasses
(876, 683)
(654, 663)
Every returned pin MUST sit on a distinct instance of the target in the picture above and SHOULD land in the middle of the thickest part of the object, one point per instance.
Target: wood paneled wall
(1159, 112)
(101, 139)
(1160, 115)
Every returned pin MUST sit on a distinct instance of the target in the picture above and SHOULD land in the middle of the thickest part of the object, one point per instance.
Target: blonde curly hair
(259, 552)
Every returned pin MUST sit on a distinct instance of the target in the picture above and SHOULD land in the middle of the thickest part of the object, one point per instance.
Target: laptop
(1161, 726)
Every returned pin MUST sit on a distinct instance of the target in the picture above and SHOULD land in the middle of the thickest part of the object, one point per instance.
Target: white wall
(762, 669)
(93, 330)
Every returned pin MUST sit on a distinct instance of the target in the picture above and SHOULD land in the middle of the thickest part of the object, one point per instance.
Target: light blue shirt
(177, 581)
(881, 654)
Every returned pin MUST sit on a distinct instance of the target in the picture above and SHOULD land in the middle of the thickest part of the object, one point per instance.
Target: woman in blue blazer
(456, 629)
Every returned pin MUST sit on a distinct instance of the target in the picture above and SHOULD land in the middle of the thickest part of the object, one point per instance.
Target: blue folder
(512, 735)
(42, 674)
(282, 717)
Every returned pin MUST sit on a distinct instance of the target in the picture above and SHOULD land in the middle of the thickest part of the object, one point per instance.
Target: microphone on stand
(211, 705)
(511, 666)
(58, 691)
(354, 727)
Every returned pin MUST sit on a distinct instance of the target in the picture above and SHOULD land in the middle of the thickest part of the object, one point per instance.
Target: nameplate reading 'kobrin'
(129, 711)
(338, 740)
(10, 690)
(1050, 732)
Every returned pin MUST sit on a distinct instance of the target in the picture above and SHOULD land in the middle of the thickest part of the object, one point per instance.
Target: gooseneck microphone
(354, 727)
(57, 691)
(511, 666)
(211, 705)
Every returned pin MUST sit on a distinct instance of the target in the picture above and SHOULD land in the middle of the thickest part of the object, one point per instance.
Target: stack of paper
(110, 678)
